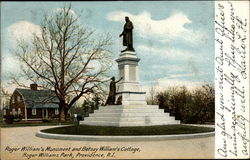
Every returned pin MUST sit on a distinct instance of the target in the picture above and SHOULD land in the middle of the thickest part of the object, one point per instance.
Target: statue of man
(128, 35)
(112, 91)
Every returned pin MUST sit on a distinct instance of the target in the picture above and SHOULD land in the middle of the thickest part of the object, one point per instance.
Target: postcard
(124, 80)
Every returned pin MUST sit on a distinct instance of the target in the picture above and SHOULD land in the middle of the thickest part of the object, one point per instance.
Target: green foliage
(45, 120)
(188, 106)
(17, 117)
(88, 106)
(128, 131)
(9, 119)
(1, 115)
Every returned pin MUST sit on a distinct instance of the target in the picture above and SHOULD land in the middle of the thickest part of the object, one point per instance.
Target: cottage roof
(39, 98)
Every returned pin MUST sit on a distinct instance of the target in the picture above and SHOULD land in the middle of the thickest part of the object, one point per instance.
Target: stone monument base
(132, 109)
(129, 115)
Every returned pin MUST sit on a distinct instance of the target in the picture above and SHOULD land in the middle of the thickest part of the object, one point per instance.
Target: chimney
(33, 87)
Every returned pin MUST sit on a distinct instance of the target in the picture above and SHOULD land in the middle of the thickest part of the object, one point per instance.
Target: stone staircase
(129, 115)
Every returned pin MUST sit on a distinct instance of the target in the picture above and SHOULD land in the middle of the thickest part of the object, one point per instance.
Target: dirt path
(15, 138)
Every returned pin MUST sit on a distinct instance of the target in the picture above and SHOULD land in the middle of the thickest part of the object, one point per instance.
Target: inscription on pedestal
(132, 73)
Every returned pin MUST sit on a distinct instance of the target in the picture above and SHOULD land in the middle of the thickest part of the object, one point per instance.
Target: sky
(173, 39)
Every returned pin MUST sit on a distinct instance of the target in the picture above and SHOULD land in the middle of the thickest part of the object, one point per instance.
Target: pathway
(12, 138)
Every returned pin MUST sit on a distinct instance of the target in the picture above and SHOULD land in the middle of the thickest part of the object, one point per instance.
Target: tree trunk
(62, 114)
(63, 110)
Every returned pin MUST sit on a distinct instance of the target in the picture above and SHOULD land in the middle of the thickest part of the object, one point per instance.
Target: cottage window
(33, 111)
(13, 100)
(13, 111)
(19, 111)
(56, 111)
(4, 112)
(19, 98)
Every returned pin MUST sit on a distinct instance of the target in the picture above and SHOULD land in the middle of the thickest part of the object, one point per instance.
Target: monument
(131, 108)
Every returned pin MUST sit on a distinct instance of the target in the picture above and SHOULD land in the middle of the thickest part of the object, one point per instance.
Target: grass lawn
(28, 124)
(128, 131)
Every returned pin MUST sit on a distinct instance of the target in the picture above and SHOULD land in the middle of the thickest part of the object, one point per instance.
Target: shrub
(88, 106)
(9, 119)
(17, 118)
(189, 107)
(46, 120)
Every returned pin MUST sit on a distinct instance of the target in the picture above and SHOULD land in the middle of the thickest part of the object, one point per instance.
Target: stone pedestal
(129, 87)
(133, 110)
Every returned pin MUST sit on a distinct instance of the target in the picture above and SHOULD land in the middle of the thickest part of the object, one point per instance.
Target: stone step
(129, 107)
(127, 114)
(101, 123)
(130, 119)
(131, 110)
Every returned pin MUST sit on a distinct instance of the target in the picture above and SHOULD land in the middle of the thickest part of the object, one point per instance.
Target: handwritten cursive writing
(232, 121)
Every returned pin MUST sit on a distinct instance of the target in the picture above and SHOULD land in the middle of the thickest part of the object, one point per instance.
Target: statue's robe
(112, 93)
(127, 34)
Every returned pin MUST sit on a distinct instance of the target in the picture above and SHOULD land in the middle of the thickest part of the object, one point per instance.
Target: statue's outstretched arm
(122, 33)
(119, 80)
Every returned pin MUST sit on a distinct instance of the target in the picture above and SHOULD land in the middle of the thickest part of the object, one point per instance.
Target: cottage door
(45, 113)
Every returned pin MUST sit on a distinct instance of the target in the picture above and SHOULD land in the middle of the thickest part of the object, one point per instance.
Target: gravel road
(13, 141)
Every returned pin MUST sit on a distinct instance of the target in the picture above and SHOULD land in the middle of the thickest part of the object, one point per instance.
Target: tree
(65, 57)
(4, 100)
(189, 107)
(204, 99)
(152, 94)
